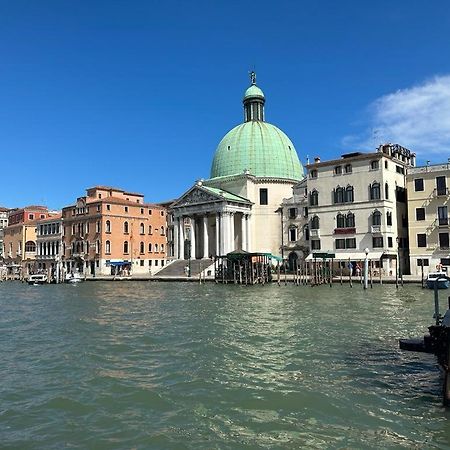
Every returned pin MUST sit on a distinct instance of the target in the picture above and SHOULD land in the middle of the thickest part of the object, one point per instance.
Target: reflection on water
(179, 365)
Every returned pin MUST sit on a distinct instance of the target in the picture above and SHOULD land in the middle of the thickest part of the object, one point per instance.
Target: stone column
(225, 233)
(181, 236)
(244, 231)
(231, 241)
(193, 237)
(175, 238)
(248, 232)
(205, 237)
(217, 234)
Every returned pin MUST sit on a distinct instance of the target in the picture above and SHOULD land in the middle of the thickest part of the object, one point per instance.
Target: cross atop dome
(253, 77)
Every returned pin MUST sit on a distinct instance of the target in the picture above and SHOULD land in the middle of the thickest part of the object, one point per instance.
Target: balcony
(443, 221)
(441, 192)
(314, 233)
(346, 230)
(375, 229)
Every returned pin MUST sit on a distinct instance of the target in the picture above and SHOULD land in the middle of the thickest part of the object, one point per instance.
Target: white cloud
(417, 118)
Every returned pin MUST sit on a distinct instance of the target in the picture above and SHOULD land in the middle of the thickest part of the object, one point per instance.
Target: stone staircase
(177, 268)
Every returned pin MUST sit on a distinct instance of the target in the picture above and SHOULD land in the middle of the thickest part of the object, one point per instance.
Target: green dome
(259, 147)
(253, 91)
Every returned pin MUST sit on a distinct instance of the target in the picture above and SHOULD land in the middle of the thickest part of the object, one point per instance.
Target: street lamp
(366, 267)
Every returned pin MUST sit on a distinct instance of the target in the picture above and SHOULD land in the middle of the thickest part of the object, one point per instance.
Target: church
(254, 167)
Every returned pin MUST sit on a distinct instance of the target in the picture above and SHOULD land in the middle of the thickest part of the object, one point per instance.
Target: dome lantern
(253, 101)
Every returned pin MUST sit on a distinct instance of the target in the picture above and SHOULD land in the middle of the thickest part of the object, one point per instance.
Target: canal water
(141, 365)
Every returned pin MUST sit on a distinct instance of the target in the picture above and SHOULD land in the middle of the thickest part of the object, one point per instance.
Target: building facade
(237, 209)
(358, 202)
(49, 245)
(295, 226)
(111, 231)
(3, 225)
(428, 209)
(20, 237)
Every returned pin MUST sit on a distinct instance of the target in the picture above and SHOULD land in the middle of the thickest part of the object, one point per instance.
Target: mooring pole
(421, 266)
(436, 301)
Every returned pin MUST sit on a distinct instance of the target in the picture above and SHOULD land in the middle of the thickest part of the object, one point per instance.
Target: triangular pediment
(196, 195)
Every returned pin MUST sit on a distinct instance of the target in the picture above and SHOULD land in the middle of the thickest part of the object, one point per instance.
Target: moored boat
(73, 278)
(39, 278)
(441, 278)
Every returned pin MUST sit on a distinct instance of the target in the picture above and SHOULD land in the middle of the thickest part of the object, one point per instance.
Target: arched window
(125, 246)
(350, 220)
(338, 170)
(375, 191)
(30, 246)
(150, 247)
(349, 196)
(292, 233)
(97, 247)
(108, 226)
(340, 221)
(339, 195)
(142, 248)
(162, 231)
(388, 218)
(376, 218)
(107, 247)
(156, 248)
(150, 231)
(86, 247)
(162, 248)
(313, 173)
(142, 228)
(125, 227)
(314, 198)
(386, 191)
(315, 223)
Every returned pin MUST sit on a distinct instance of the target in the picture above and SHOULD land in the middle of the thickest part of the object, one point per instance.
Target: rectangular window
(421, 240)
(156, 262)
(442, 215)
(108, 207)
(339, 244)
(420, 213)
(377, 242)
(445, 261)
(390, 242)
(388, 218)
(423, 262)
(441, 186)
(142, 263)
(443, 241)
(350, 243)
(315, 244)
(126, 208)
(292, 213)
(263, 196)
(418, 184)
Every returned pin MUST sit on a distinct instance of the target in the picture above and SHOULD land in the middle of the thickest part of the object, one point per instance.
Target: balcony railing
(441, 192)
(314, 233)
(443, 221)
(375, 229)
(345, 230)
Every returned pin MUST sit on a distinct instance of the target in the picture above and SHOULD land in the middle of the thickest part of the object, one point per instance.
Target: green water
(137, 365)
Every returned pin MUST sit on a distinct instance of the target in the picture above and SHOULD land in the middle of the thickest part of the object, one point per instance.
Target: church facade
(254, 167)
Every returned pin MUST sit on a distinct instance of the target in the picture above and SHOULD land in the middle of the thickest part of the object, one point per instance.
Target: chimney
(317, 159)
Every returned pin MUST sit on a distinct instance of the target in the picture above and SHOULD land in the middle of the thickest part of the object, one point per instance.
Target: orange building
(111, 231)
(20, 236)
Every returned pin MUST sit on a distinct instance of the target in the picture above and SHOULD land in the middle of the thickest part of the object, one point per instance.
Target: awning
(354, 256)
(119, 263)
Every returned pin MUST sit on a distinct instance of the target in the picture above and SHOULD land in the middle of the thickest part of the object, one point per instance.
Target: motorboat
(39, 278)
(73, 278)
(441, 278)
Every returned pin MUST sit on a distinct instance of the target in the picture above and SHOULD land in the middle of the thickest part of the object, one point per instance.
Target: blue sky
(137, 94)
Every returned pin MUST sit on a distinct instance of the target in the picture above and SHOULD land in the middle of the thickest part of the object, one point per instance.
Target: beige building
(20, 237)
(111, 231)
(358, 202)
(49, 245)
(428, 210)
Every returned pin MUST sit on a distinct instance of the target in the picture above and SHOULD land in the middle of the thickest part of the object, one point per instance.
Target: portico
(210, 222)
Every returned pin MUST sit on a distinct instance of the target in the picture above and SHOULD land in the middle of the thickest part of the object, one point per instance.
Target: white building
(237, 208)
(358, 202)
(49, 244)
(294, 222)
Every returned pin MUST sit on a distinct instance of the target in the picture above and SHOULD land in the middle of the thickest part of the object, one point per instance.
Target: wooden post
(421, 266)
(285, 274)
(396, 273)
(371, 274)
(331, 272)
(447, 369)
(350, 268)
(381, 270)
